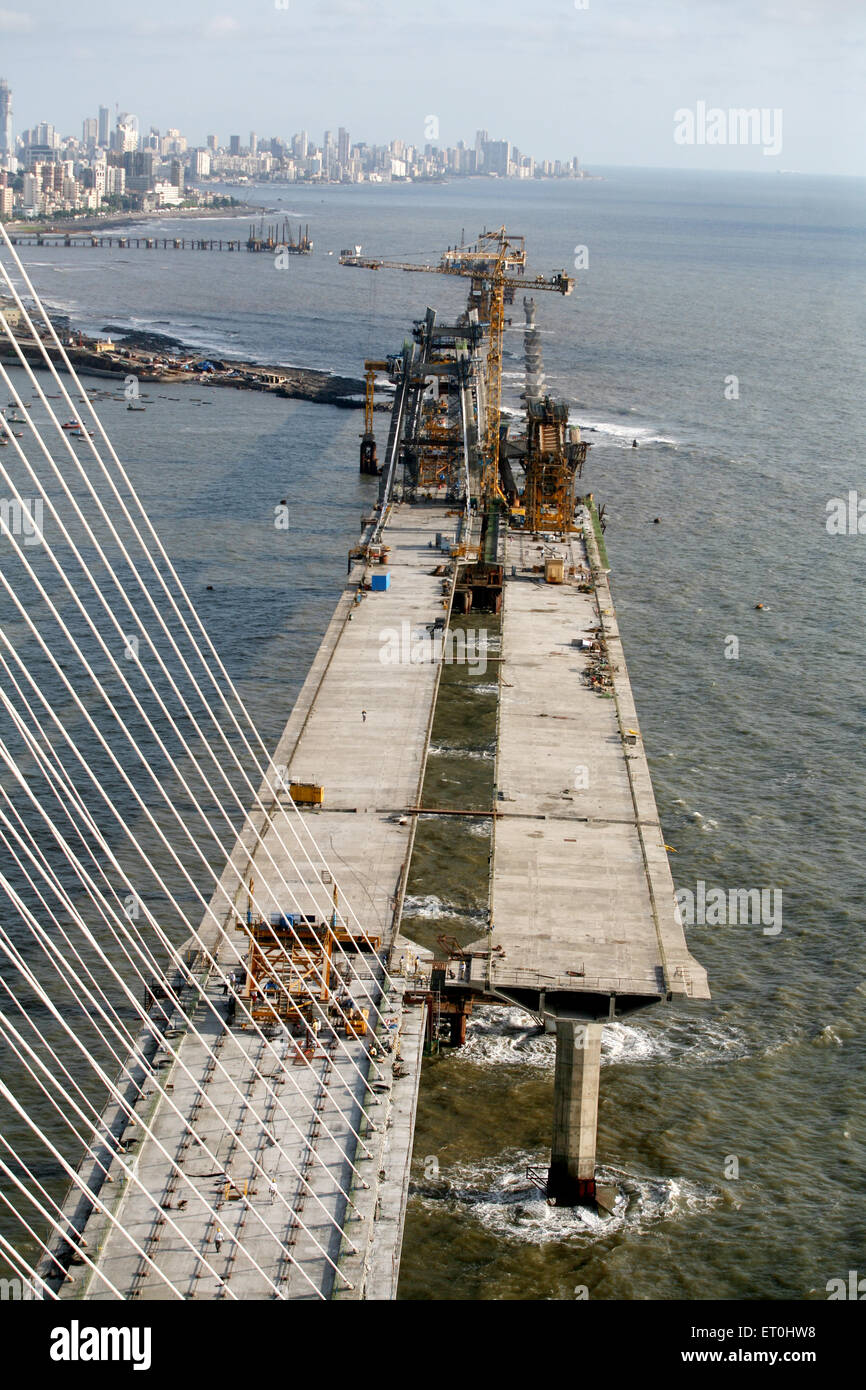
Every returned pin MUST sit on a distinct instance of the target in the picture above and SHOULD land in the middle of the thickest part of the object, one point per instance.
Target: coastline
(146, 356)
(70, 226)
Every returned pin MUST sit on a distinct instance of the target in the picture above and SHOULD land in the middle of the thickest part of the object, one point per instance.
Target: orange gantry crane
(487, 264)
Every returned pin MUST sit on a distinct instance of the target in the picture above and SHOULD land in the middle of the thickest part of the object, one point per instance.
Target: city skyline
(604, 79)
(123, 167)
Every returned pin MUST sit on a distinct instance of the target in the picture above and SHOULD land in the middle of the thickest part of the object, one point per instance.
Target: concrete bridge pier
(571, 1176)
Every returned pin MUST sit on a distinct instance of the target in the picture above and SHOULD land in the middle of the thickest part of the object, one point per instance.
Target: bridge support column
(571, 1176)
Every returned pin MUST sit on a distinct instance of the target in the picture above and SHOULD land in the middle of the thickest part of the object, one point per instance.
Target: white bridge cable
(38, 341)
(131, 1043)
(124, 638)
(66, 974)
(73, 1239)
(121, 918)
(11, 1034)
(24, 1114)
(108, 1141)
(54, 790)
(33, 1234)
(123, 922)
(19, 1264)
(128, 688)
(112, 916)
(298, 814)
(314, 1002)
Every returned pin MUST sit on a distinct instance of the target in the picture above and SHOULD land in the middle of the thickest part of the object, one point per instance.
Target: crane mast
(487, 264)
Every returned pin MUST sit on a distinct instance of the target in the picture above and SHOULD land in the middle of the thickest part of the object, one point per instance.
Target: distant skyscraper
(7, 147)
(234, 144)
(212, 143)
(126, 133)
(104, 127)
(254, 142)
(89, 128)
(343, 146)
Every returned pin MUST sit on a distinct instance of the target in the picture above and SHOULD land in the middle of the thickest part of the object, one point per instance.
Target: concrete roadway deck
(371, 770)
(582, 899)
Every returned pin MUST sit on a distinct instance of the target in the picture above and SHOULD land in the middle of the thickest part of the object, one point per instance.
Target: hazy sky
(602, 82)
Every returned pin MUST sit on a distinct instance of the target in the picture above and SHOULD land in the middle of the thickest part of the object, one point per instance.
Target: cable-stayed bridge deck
(360, 730)
(582, 899)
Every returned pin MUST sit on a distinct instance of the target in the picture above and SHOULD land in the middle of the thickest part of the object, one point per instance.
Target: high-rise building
(212, 143)
(496, 154)
(89, 128)
(126, 133)
(254, 142)
(7, 145)
(343, 146)
(234, 144)
(103, 134)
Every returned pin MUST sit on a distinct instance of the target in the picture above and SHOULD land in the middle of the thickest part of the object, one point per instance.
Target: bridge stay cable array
(129, 763)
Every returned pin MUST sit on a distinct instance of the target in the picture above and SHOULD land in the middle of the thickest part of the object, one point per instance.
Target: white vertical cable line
(176, 1002)
(131, 1042)
(158, 543)
(18, 1263)
(130, 1173)
(71, 1173)
(4, 530)
(143, 669)
(73, 1240)
(8, 1028)
(128, 688)
(122, 920)
(28, 369)
(22, 1220)
(156, 653)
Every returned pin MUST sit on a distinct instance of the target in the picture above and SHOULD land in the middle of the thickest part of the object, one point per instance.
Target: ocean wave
(498, 1034)
(704, 823)
(498, 1195)
(431, 908)
(473, 754)
(622, 435)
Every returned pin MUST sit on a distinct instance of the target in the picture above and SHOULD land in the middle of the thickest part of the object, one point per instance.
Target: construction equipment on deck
(486, 264)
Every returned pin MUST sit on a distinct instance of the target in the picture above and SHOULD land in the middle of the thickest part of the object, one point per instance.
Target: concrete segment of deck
(371, 770)
(582, 899)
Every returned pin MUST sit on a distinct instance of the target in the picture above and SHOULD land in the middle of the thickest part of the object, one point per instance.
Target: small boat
(81, 434)
(70, 425)
(130, 406)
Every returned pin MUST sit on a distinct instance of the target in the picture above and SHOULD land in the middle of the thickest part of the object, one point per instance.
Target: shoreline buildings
(44, 174)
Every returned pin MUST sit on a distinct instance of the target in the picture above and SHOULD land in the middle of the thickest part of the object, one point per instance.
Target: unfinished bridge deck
(360, 729)
(582, 899)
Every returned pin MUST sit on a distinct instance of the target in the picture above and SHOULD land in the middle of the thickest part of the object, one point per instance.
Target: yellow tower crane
(487, 264)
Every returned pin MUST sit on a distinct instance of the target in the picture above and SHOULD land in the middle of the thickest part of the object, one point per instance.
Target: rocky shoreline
(157, 357)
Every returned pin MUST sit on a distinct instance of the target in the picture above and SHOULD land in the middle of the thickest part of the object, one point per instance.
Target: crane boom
(486, 264)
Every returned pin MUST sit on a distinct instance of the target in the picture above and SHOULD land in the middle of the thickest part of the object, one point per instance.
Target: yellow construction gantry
(486, 264)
